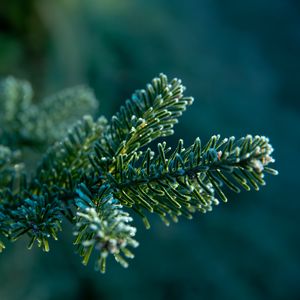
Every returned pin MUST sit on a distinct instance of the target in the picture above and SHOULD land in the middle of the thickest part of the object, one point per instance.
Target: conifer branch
(98, 168)
(149, 114)
(68, 161)
(102, 225)
(191, 179)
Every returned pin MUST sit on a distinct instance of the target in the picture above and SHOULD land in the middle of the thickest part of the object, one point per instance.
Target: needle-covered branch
(149, 114)
(193, 178)
(99, 167)
(101, 224)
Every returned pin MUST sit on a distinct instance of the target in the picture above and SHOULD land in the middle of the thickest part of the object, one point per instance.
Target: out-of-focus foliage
(23, 122)
(240, 61)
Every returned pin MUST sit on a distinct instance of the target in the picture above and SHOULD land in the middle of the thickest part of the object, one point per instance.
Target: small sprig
(68, 160)
(149, 114)
(39, 217)
(102, 225)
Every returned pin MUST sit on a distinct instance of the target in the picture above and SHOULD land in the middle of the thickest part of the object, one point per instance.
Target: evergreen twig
(99, 167)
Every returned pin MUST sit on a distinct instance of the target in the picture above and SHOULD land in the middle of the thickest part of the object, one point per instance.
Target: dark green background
(240, 60)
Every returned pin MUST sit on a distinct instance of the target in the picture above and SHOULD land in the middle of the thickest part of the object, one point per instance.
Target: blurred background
(240, 60)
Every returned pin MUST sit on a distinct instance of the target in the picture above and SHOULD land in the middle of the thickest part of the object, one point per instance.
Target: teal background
(240, 60)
